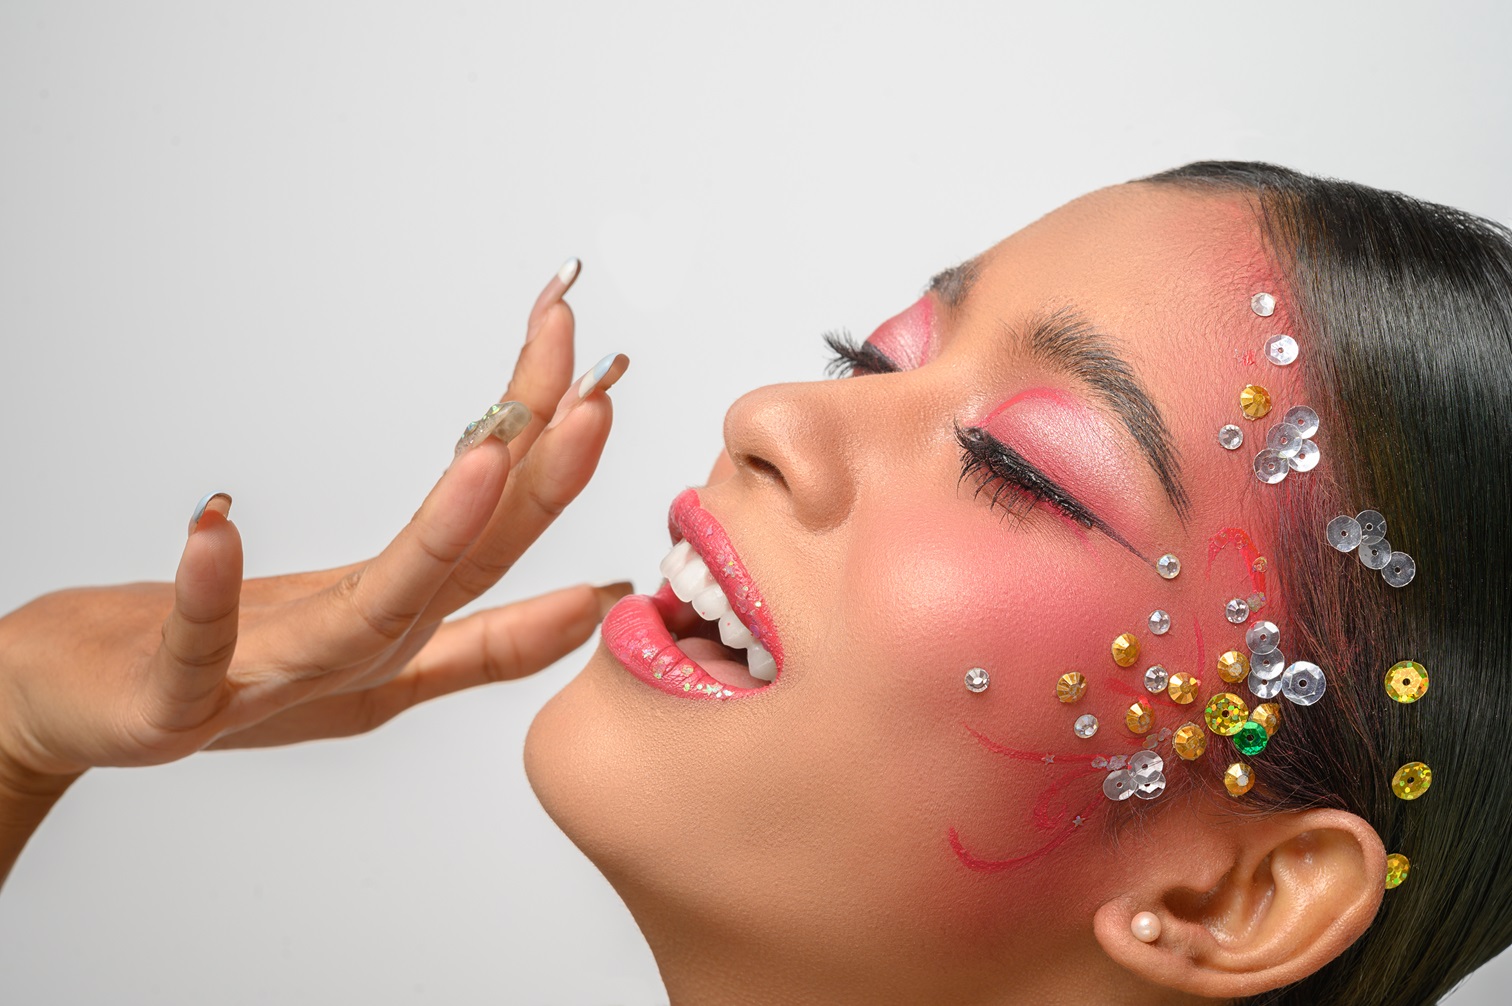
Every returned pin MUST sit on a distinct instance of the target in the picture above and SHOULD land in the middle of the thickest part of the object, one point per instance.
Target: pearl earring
(977, 680)
(1146, 927)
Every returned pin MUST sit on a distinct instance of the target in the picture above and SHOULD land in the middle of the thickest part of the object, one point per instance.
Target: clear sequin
(1125, 649)
(1264, 688)
(1303, 683)
(1085, 726)
(1190, 741)
(1146, 763)
(1168, 566)
(1160, 622)
(1407, 681)
(1412, 780)
(1263, 304)
(1400, 570)
(1226, 713)
(1270, 467)
(1254, 402)
(1284, 439)
(1156, 679)
(1236, 610)
(1238, 779)
(1071, 687)
(1140, 718)
(1306, 458)
(1233, 667)
(977, 679)
(1183, 688)
(1281, 350)
(1267, 666)
(1397, 868)
(1375, 554)
(1119, 785)
(1150, 788)
(1372, 526)
(1251, 739)
(1343, 533)
(1303, 418)
(1230, 437)
(1262, 637)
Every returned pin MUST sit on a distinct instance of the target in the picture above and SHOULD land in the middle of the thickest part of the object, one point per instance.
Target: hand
(149, 673)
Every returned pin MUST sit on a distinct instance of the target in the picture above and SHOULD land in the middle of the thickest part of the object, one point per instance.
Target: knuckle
(386, 624)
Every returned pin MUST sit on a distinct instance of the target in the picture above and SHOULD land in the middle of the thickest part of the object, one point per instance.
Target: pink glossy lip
(636, 629)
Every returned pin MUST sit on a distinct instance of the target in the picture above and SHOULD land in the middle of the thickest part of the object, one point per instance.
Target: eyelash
(995, 466)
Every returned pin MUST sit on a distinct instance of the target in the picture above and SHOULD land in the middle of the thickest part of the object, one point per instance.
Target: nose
(794, 441)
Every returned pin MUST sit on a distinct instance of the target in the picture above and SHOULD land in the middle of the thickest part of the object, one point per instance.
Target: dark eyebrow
(953, 284)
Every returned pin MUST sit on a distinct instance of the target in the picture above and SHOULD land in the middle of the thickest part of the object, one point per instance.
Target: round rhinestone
(1168, 566)
(1281, 350)
(1251, 739)
(472, 427)
(1372, 526)
(1119, 785)
(1412, 780)
(1306, 458)
(1400, 570)
(1264, 688)
(1190, 741)
(1270, 467)
(1238, 779)
(1267, 666)
(1254, 401)
(1268, 715)
(1146, 763)
(1160, 622)
(1156, 680)
(1375, 554)
(1085, 726)
(1140, 718)
(1263, 304)
(1261, 564)
(1230, 437)
(1302, 418)
(493, 410)
(1071, 687)
(1262, 637)
(1303, 683)
(1285, 439)
(1125, 649)
(1407, 681)
(1236, 610)
(1233, 667)
(977, 679)
(1343, 533)
(1397, 867)
(1150, 788)
(1183, 688)
(1225, 713)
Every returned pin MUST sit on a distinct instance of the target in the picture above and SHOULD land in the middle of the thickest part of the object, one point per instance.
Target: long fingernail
(219, 502)
(556, 288)
(504, 420)
(601, 378)
(609, 594)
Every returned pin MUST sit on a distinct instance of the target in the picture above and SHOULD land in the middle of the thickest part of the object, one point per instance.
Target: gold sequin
(1238, 779)
(1254, 401)
(1268, 715)
(1183, 687)
(1233, 667)
(1125, 649)
(1190, 741)
(1071, 686)
(1412, 780)
(1226, 713)
(1140, 718)
(1407, 681)
(1397, 867)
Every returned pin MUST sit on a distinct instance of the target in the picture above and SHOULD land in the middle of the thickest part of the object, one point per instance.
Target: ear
(1247, 903)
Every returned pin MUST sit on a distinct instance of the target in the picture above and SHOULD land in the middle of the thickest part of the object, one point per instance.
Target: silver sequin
(1263, 304)
(1262, 637)
(1285, 439)
(1168, 566)
(1237, 610)
(1306, 458)
(1267, 666)
(1146, 763)
(977, 680)
(1085, 726)
(1281, 350)
(1150, 788)
(1160, 622)
(1400, 570)
(1343, 533)
(1156, 679)
(1230, 437)
(1302, 418)
(1303, 683)
(1372, 526)
(1262, 688)
(1375, 554)
(1119, 785)
(1270, 467)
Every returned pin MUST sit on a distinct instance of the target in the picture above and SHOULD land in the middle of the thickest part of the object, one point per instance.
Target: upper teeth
(691, 582)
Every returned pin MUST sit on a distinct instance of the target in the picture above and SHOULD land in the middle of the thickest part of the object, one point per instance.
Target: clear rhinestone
(1230, 437)
(1375, 554)
(1119, 785)
(1156, 679)
(1267, 666)
(1302, 418)
(1281, 350)
(1343, 533)
(1372, 526)
(1303, 683)
(1262, 637)
(1237, 610)
(1400, 570)
(1285, 439)
(976, 680)
(1306, 458)
(1270, 467)
(1168, 566)
(1263, 304)
(1085, 726)
(1160, 622)
(1263, 689)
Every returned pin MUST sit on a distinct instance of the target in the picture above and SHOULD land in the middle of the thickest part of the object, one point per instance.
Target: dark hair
(1403, 310)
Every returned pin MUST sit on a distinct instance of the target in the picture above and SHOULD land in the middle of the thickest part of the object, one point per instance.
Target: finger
(543, 369)
(186, 675)
(500, 644)
(544, 485)
(555, 289)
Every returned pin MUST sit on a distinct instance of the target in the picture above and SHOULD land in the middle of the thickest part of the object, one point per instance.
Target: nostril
(761, 467)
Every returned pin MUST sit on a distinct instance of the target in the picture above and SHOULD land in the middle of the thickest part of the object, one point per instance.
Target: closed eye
(848, 358)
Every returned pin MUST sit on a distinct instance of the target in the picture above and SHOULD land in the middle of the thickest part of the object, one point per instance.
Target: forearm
(25, 799)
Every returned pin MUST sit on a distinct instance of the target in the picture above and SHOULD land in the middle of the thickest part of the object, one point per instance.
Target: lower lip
(635, 632)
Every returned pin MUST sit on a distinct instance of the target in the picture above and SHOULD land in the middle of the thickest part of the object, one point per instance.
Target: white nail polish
(569, 271)
(593, 377)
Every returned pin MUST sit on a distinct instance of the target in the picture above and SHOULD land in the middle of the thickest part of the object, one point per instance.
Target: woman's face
(866, 817)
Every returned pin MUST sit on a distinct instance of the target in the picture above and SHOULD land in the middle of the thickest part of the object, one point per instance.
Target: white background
(286, 250)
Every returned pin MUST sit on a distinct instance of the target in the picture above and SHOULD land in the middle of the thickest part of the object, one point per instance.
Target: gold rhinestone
(1238, 779)
(1254, 401)
(1190, 741)
(1071, 686)
(1226, 714)
(1397, 867)
(1412, 780)
(1407, 681)
(1233, 667)
(1183, 687)
(1125, 649)
(1140, 718)
(1268, 715)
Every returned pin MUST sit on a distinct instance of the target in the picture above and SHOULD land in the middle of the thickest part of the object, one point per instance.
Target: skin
(796, 846)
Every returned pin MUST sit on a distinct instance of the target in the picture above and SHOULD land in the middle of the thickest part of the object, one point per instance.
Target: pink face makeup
(908, 339)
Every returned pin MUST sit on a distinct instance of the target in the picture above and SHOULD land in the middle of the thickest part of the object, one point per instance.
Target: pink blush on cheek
(908, 339)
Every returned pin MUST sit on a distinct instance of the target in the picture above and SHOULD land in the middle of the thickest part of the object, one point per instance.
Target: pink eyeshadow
(908, 339)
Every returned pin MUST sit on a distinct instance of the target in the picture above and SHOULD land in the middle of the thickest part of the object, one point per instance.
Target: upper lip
(688, 520)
